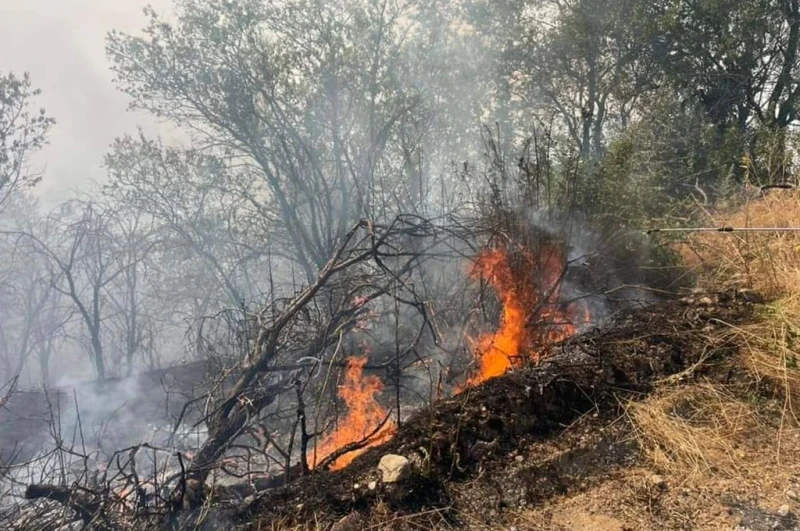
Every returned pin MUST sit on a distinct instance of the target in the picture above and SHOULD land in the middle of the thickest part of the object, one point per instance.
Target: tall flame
(532, 318)
(364, 415)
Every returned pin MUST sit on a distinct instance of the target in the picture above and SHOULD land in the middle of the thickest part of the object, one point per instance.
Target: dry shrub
(693, 431)
(771, 350)
(766, 262)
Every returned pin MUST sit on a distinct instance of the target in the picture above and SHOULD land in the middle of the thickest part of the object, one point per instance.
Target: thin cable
(727, 229)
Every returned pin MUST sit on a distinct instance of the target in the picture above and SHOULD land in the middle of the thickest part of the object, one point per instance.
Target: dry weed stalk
(693, 431)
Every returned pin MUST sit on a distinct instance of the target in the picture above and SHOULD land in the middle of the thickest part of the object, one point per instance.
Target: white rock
(783, 511)
(393, 467)
(372, 485)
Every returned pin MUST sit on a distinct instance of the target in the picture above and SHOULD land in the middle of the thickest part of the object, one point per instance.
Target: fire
(532, 318)
(364, 415)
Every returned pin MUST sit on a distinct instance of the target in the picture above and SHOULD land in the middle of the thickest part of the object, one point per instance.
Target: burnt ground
(517, 451)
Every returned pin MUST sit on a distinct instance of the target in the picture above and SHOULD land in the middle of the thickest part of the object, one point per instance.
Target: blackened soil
(517, 440)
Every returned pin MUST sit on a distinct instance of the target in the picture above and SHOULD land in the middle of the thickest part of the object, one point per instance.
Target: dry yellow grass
(771, 350)
(693, 431)
(766, 262)
(769, 264)
(700, 430)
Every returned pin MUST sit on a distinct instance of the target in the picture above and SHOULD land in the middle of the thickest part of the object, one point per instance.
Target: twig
(352, 447)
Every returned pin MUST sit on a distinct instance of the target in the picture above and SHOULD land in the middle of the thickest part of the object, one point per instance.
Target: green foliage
(663, 168)
(22, 132)
(580, 62)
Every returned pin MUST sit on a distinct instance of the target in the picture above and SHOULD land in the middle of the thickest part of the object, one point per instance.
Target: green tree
(22, 132)
(322, 101)
(738, 60)
(581, 61)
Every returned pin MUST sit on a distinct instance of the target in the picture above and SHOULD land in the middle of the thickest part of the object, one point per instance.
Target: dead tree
(371, 262)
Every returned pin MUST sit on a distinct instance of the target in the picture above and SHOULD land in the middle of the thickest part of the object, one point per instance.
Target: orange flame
(364, 415)
(532, 316)
(532, 319)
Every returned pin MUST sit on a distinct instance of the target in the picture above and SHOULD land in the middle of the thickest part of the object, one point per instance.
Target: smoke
(213, 240)
(78, 426)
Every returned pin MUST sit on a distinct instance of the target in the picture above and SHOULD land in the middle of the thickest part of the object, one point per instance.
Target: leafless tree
(85, 265)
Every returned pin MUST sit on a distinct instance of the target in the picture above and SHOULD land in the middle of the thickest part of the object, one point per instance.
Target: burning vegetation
(534, 317)
(540, 369)
(370, 332)
(364, 420)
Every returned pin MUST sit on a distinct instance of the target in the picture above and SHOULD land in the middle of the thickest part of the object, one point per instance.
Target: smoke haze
(62, 44)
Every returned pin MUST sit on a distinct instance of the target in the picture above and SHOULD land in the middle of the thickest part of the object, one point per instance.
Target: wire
(727, 229)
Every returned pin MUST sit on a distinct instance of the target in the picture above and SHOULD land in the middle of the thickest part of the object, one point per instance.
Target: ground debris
(467, 439)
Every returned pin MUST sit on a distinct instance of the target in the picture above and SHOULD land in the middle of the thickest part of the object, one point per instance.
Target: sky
(61, 43)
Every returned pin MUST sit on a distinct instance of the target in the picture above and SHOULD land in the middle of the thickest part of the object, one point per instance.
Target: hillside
(678, 415)
(558, 446)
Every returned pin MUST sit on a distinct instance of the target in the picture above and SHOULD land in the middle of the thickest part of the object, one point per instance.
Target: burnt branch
(326, 463)
(85, 505)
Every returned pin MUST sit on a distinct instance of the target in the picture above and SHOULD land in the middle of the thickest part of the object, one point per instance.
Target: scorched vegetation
(414, 264)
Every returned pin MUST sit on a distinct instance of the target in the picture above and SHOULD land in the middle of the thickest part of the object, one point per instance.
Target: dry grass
(701, 430)
(771, 351)
(693, 431)
(768, 263)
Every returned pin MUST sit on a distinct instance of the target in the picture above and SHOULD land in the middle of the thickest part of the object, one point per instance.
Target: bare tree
(86, 265)
(31, 314)
(132, 237)
(189, 196)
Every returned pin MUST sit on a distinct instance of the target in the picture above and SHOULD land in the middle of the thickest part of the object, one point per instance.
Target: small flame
(532, 316)
(364, 415)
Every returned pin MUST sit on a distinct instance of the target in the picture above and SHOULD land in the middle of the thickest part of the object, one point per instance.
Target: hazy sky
(61, 44)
